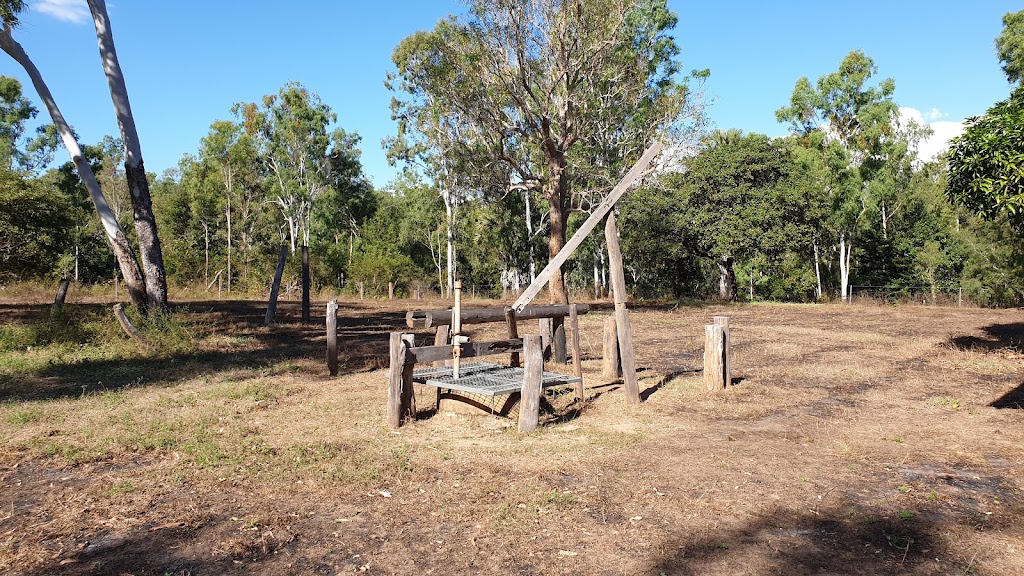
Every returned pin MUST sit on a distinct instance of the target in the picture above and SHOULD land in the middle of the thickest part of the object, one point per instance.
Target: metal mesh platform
(484, 378)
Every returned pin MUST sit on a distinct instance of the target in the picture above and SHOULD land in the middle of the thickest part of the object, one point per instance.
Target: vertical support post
(714, 365)
(332, 337)
(513, 332)
(546, 329)
(441, 339)
(533, 375)
(457, 329)
(723, 321)
(622, 325)
(361, 286)
(408, 409)
(305, 283)
(558, 340)
(612, 366)
(396, 372)
(577, 362)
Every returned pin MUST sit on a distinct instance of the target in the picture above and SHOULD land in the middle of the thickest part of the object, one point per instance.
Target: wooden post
(361, 286)
(305, 283)
(391, 290)
(546, 328)
(457, 329)
(533, 376)
(396, 375)
(612, 366)
(275, 288)
(558, 340)
(623, 327)
(332, 337)
(577, 362)
(441, 339)
(723, 321)
(714, 354)
(408, 393)
(513, 332)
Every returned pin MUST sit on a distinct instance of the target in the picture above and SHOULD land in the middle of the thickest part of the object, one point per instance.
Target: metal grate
(484, 378)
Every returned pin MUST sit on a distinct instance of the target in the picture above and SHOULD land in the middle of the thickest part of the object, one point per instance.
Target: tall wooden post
(723, 321)
(612, 368)
(623, 327)
(332, 337)
(401, 403)
(457, 329)
(305, 283)
(714, 357)
(577, 362)
(533, 376)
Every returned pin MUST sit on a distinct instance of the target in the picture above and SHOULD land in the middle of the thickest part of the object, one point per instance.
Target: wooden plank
(398, 357)
(577, 362)
(713, 358)
(533, 377)
(612, 368)
(332, 337)
(595, 218)
(623, 328)
(431, 318)
(513, 333)
(425, 354)
(723, 321)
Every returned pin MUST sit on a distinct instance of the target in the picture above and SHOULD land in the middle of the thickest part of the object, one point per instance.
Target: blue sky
(186, 62)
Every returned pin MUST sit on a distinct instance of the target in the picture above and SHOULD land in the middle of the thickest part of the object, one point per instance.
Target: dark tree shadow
(1012, 399)
(998, 337)
(811, 542)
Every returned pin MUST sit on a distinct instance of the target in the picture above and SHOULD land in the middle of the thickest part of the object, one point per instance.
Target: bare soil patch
(855, 440)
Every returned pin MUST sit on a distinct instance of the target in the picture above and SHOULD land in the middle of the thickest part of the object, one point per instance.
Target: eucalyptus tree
(843, 108)
(147, 285)
(529, 91)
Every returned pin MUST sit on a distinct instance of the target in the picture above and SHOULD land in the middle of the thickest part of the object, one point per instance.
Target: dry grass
(857, 440)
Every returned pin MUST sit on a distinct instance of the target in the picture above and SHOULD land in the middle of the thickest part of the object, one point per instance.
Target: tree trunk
(114, 234)
(727, 279)
(276, 286)
(228, 214)
(817, 272)
(845, 248)
(153, 272)
(449, 209)
(305, 283)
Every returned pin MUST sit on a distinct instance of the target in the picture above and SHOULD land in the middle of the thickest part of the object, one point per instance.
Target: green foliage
(986, 162)
(1010, 46)
(34, 224)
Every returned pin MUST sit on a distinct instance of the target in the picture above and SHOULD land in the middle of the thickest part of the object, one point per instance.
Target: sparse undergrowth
(850, 443)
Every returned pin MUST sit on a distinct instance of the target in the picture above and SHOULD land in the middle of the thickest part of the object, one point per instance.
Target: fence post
(332, 337)
(533, 376)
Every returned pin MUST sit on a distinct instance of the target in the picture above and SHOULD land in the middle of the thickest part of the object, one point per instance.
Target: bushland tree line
(512, 121)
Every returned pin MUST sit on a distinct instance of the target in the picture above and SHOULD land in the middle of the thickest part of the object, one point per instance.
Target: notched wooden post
(533, 376)
(723, 321)
(397, 348)
(332, 337)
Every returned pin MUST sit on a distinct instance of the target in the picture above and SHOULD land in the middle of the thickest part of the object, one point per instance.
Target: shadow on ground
(998, 337)
(362, 336)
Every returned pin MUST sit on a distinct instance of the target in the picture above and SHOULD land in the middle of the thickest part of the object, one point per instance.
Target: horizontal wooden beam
(424, 354)
(443, 317)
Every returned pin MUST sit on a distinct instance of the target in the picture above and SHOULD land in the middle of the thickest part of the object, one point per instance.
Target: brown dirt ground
(855, 440)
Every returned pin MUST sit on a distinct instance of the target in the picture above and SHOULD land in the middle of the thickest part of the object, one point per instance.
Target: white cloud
(942, 131)
(74, 11)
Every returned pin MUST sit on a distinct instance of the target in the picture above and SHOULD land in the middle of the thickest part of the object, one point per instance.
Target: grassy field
(855, 440)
